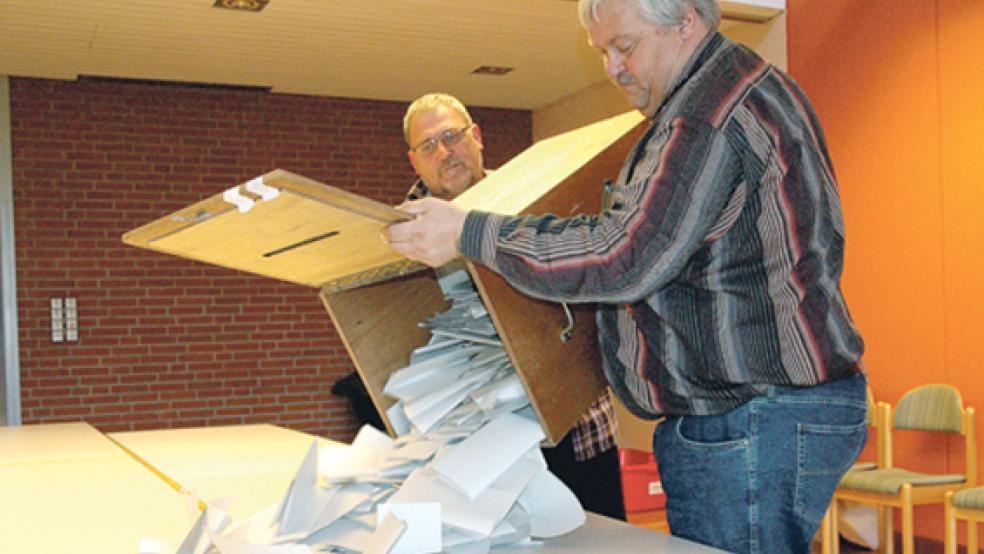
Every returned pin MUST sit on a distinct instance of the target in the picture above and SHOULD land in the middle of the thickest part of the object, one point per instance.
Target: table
(254, 464)
(68, 488)
(53, 442)
(601, 534)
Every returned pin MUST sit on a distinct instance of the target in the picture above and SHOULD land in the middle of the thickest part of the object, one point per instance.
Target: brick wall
(166, 342)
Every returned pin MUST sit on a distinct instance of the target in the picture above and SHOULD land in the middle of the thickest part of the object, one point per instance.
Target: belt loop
(771, 392)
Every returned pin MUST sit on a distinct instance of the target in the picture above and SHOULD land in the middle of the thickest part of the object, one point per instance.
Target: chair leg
(880, 530)
(825, 531)
(833, 530)
(949, 526)
(971, 536)
(888, 531)
(908, 538)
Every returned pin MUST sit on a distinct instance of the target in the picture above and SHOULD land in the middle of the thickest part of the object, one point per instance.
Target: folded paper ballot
(483, 457)
(466, 474)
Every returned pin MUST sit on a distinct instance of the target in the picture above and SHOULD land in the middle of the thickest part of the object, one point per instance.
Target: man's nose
(614, 64)
(443, 150)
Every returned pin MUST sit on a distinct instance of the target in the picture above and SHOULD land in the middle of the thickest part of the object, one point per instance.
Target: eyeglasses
(447, 137)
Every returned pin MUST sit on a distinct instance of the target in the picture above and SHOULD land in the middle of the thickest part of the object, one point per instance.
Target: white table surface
(603, 535)
(253, 464)
(256, 463)
(67, 488)
(54, 442)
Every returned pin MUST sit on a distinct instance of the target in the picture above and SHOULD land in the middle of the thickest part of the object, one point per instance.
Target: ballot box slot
(301, 243)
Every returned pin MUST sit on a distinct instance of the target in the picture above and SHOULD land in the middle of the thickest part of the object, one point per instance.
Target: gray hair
(430, 102)
(662, 12)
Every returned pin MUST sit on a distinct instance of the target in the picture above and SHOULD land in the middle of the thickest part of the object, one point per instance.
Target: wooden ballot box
(292, 228)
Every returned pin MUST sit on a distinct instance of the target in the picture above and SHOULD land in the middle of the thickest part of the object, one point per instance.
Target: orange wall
(899, 86)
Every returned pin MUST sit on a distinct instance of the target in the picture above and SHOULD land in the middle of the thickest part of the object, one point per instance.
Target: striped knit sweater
(717, 268)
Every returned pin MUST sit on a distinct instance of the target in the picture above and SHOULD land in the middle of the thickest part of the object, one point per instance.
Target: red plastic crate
(642, 490)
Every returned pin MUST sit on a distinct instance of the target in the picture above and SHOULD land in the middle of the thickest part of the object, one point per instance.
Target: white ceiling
(380, 49)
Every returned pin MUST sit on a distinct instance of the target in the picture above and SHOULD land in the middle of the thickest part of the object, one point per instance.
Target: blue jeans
(759, 478)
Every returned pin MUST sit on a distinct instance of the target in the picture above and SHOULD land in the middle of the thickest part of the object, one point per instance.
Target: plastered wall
(900, 88)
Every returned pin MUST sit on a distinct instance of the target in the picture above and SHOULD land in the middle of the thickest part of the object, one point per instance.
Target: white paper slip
(498, 392)
(346, 533)
(398, 470)
(553, 507)
(477, 310)
(451, 279)
(420, 379)
(490, 356)
(451, 433)
(410, 383)
(516, 406)
(468, 336)
(342, 501)
(369, 436)
(514, 528)
(476, 462)
(436, 347)
(339, 462)
(464, 414)
(446, 398)
(305, 500)
(479, 516)
(398, 420)
(419, 450)
(519, 475)
(387, 533)
(423, 520)
(196, 541)
(426, 421)
(453, 538)
(259, 528)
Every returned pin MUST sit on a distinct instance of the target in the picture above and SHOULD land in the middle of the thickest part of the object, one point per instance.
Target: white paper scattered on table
(554, 507)
(464, 474)
(481, 458)
(387, 533)
(423, 520)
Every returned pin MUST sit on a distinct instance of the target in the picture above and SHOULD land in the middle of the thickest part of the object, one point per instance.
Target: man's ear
(413, 161)
(688, 22)
(477, 133)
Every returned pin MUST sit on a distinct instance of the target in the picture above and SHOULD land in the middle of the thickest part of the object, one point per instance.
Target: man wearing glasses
(445, 149)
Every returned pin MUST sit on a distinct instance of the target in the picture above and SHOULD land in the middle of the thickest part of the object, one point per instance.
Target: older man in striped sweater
(717, 273)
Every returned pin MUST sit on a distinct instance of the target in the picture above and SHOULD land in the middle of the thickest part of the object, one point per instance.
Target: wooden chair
(968, 505)
(877, 418)
(936, 408)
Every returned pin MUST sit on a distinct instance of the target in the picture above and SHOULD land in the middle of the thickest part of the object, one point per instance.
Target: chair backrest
(938, 408)
(877, 416)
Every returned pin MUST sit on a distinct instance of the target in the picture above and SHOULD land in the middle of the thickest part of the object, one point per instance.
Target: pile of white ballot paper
(464, 474)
